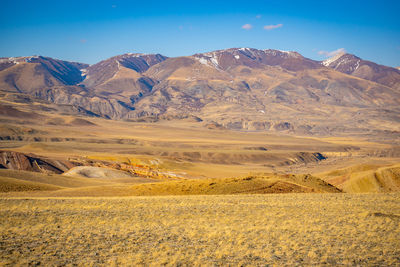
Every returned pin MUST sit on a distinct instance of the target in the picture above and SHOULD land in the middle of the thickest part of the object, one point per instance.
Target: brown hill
(121, 78)
(34, 80)
(253, 95)
(30, 73)
(365, 178)
(353, 65)
(254, 58)
(260, 184)
(238, 88)
(122, 75)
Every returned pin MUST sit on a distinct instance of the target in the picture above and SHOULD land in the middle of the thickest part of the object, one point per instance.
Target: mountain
(353, 65)
(115, 68)
(264, 90)
(254, 58)
(54, 71)
(56, 81)
(237, 88)
(122, 77)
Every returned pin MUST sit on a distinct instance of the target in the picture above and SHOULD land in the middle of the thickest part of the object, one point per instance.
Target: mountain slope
(365, 178)
(58, 82)
(254, 58)
(105, 70)
(121, 77)
(47, 71)
(353, 65)
(237, 88)
(250, 94)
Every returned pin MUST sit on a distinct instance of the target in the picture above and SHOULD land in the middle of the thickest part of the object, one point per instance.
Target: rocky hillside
(353, 65)
(237, 88)
(19, 161)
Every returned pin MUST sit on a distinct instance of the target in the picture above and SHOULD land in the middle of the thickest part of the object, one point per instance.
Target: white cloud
(271, 27)
(332, 53)
(247, 26)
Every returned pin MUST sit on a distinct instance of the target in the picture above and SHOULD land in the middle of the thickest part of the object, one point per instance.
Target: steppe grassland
(295, 229)
(223, 153)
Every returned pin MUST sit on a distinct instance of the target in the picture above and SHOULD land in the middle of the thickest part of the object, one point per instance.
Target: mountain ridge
(355, 66)
(237, 88)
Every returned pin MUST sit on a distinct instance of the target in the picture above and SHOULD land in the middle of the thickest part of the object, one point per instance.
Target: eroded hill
(238, 88)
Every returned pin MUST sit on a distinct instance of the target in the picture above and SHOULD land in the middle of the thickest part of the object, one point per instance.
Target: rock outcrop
(19, 161)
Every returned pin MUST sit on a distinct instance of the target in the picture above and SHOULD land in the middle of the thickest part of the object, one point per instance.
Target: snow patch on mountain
(358, 64)
(209, 59)
(134, 55)
(281, 53)
(329, 61)
(202, 60)
(15, 60)
(83, 72)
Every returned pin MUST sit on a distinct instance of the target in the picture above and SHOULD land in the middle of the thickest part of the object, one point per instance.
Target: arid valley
(199, 133)
(91, 191)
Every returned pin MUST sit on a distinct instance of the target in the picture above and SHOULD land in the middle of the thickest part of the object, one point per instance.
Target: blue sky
(90, 31)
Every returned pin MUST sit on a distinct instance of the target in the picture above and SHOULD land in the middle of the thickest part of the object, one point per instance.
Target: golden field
(180, 193)
(245, 230)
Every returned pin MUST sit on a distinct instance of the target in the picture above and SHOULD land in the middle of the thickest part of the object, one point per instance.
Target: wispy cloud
(247, 26)
(258, 17)
(272, 27)
(114, 6)
(332, 53)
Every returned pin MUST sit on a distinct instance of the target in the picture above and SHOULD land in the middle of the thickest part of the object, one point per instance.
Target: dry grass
(185, 147)
(15, 185)
(295, 229)
(134, 186)
(50, 179)
(365, 178)
(261, 184)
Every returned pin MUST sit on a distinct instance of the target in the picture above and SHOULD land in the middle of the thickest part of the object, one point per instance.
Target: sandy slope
(365, 178)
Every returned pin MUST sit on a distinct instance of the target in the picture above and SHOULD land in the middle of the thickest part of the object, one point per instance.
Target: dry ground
(188, 148)
(286, 229)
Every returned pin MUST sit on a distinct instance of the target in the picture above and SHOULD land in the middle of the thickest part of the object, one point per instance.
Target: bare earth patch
(286, 229)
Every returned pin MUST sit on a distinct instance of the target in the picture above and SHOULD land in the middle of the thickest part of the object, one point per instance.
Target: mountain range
(238, 88)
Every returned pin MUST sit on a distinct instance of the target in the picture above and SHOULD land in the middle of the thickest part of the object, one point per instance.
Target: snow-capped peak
(328, 61)
(134, 55)
(18, 60)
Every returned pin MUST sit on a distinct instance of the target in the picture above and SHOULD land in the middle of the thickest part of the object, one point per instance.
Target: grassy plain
(180, 150)
(246, 230)
(195, 208)
(190, 148)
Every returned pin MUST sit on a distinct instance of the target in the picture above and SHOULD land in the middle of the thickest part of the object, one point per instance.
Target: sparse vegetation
(180, 193)
(365, 178)
(288, 229)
